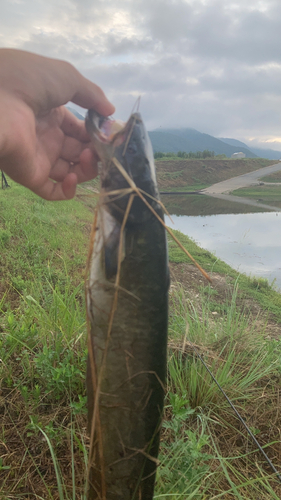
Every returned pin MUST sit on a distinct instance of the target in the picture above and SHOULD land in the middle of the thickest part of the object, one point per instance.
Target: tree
(158, 154)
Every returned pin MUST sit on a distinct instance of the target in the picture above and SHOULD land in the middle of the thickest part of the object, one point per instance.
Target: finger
(74, 127)
(72, 148)
(85, 169)
(63, 83)
(90, 95)
(55, 191)
(68, 186)
(59, 170)
(89, 164)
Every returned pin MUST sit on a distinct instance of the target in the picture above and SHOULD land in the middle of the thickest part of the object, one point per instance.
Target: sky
(213, 65)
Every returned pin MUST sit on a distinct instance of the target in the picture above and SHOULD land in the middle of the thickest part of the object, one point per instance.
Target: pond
(248, 242)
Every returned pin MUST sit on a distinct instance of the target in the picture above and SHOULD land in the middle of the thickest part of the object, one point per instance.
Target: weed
(260, 284)
(5, 237)
(265, 193)
(182, 457)
(204, 450)
(171, 175)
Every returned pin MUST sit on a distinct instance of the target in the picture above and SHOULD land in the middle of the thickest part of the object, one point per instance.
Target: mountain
(269, 154)
(189, 139)
(234, 142)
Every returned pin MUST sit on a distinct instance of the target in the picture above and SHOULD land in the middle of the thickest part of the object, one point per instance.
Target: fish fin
(111, 249)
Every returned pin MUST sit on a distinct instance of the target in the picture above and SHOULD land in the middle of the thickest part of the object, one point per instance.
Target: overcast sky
(214, 65)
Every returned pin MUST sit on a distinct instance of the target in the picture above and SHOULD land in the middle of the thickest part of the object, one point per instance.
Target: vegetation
(272, 178)
(205, 452)
(269, 194)
(182, 154)
(190, 174)
(192, 204)
(215, 458)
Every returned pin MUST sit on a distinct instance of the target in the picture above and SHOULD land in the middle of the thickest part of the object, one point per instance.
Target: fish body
(128, 323)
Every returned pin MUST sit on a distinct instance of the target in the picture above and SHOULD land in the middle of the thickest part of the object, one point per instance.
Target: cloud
(210, 64)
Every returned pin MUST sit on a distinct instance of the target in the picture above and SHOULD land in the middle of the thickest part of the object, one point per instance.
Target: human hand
(40, 140)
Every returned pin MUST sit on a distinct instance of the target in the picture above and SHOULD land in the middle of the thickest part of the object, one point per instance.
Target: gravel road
(250, 179)
(221, 189)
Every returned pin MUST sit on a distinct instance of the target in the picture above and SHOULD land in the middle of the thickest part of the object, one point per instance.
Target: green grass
(43, 335)
(205, 453)
(234, 348)
(261, 161)
(169, 158)
(36, 237)
(187, 187)
(171, 175)
(203, 205)
(264, 194)
(272, 178)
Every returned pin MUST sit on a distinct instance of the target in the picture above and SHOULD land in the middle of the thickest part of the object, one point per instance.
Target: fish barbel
(127, 309)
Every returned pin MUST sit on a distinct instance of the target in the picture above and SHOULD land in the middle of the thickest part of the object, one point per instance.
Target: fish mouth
(104, 128)
(107, 130)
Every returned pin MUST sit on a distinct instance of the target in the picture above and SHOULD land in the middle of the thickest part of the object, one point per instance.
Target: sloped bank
(234, 323)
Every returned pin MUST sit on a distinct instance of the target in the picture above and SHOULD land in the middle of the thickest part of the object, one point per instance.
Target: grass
(262, 162)
(175, 176)
(183, 174)
(202, 205)
(187, 187)
(205, 452)
(169, 158)
(272, 178)
(264, 194)
(42, 339)
(222, 459)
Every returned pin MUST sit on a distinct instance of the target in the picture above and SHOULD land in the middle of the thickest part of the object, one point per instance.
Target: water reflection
(204, 205)
(250, 242)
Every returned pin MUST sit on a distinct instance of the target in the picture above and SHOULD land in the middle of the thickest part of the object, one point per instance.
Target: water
(250, 243)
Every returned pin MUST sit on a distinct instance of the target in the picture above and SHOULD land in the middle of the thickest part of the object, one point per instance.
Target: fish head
(137, 155)
(130, 145)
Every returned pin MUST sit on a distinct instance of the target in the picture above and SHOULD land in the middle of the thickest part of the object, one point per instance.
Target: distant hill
(188, 139)
(234, 142)
(270, 154)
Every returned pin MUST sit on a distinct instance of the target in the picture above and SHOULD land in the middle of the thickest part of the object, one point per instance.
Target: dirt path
(250, 179)
(221, 189)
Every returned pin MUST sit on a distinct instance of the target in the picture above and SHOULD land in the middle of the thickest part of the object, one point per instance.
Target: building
(238, 155)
